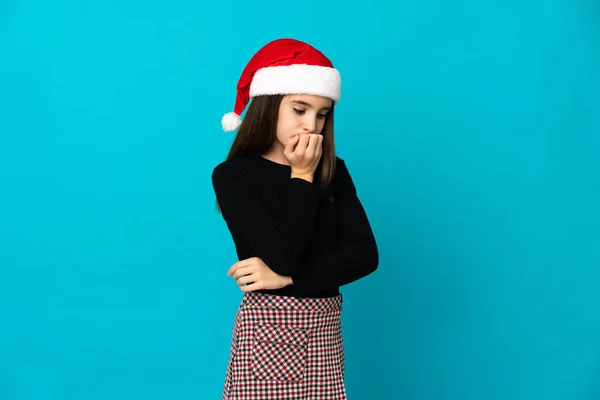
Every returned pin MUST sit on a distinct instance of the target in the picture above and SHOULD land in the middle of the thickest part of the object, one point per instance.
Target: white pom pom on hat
(231, 121)
(284, 66)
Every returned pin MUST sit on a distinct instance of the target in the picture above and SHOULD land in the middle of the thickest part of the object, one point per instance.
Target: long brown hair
(258, 132)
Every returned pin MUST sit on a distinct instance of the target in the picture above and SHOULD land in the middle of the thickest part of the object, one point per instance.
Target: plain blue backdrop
(471, 129)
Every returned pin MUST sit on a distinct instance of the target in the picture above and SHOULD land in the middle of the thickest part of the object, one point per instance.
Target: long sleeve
(357, 255)
(280, 243)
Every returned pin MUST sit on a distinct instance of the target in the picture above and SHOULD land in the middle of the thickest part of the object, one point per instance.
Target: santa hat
(284, 66)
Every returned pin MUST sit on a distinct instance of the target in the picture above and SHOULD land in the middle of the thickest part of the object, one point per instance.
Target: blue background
(471, 129)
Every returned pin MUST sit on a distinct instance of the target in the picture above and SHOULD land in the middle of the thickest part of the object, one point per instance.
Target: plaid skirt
(286, 348)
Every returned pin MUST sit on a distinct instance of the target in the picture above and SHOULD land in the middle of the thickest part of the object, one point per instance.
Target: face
(301, 114)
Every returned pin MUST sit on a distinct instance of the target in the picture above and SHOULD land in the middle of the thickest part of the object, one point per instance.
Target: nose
(310, 124)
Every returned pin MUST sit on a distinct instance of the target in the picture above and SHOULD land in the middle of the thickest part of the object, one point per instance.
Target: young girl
(299, 228)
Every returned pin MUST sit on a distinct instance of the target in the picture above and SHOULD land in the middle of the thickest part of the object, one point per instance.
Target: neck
(276, 155)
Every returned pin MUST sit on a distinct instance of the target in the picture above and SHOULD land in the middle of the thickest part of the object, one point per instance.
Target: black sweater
(321, 243)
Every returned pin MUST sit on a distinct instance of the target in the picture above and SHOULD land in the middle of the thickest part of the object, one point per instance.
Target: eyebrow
(304, 103)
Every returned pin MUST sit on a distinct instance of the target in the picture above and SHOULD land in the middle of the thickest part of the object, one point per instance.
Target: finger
(319, 150)
(291, 143)
(302, 143)
(311, 148)
(247, 279)
(252, 287)
(243, 271)
(240, 264)
(243, 263)
(315, 142)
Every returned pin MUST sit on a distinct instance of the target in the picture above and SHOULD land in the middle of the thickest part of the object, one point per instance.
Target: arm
(357, 255)
(280, 243)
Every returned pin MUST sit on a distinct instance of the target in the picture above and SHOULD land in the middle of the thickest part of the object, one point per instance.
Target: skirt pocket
(279, 353)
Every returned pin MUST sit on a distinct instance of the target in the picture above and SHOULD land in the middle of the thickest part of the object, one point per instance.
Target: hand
(257, 275)
(304, 152)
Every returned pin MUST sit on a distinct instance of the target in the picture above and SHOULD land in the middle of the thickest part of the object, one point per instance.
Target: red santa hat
(284, 66)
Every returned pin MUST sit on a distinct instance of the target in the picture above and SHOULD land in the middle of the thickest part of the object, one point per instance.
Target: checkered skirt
(286, 348)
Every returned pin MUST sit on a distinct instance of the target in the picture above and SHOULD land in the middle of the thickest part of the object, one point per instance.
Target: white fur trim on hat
(297, 79)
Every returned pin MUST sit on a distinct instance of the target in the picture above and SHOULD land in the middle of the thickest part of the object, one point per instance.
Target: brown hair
(258, 132)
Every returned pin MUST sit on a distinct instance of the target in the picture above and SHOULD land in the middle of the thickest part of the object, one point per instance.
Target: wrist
(305, 176)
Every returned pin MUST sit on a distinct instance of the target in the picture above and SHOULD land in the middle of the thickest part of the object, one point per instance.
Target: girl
(299, 229)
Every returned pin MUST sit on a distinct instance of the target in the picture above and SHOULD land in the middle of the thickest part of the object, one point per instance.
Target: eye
(322, 116)
(299, 112)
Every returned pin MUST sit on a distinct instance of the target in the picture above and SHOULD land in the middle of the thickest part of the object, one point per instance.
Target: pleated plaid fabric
(286, 348)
